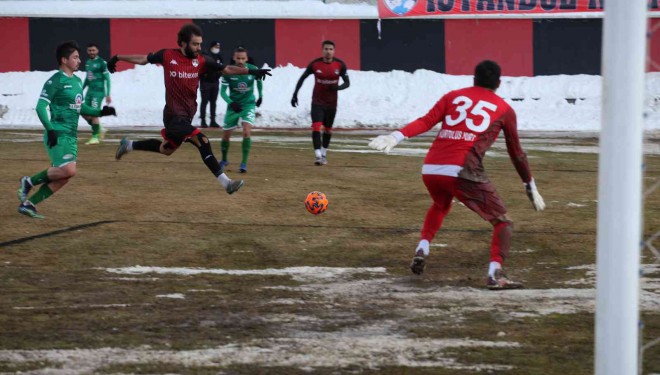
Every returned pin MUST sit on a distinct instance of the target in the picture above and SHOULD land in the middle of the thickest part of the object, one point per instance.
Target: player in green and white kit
(63, 93)
(241, 106)
(97, 82)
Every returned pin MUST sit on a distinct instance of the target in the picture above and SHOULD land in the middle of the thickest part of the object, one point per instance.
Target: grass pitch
(147, 266)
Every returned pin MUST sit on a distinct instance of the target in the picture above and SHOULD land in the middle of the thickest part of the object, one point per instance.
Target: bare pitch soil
(323, 294)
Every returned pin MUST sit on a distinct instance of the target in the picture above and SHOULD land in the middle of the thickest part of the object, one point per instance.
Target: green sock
(43, 193)
(96, 129)
(40, 178)
(224, 146)
(247, 142)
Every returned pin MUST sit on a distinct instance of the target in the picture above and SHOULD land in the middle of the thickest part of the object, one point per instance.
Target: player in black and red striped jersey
(326, 70)
(182, 68)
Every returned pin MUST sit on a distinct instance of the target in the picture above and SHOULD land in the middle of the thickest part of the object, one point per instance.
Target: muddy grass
(72, 298)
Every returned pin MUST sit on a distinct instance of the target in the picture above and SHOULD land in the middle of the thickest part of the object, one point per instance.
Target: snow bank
(383, 100)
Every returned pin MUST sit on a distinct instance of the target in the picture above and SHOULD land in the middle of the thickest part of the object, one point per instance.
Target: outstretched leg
(204, 146)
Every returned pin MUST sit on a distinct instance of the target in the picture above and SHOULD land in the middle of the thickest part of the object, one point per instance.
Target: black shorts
(177, 130)
(324, 115)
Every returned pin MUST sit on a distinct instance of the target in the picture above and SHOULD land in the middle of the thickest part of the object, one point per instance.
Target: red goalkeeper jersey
(471, 121)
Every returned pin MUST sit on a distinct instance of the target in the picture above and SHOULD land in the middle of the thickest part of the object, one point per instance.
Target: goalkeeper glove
(386, 143)
(534, 196)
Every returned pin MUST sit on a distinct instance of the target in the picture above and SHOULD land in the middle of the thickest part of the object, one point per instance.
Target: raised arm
(154, 58)
(386, 143)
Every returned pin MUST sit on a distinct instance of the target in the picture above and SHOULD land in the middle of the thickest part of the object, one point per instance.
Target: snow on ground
(187, 9)
(333, 283)
(375, 99)
(372, 344)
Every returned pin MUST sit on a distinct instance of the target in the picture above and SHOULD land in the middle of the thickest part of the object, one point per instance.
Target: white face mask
(215, 50)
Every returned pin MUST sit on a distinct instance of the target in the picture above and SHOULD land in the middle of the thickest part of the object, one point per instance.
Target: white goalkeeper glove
(534, 196)
(386, 143)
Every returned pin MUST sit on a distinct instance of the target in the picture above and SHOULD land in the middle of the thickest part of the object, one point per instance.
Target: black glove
(52, 138)
(294, 100)
(235, 107)
(260, 73)
(112, 64)
(259, 101)
(108, 111)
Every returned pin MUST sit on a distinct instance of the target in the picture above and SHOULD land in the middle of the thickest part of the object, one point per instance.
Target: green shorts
(94, 100)
(64, 152)
(234, 120)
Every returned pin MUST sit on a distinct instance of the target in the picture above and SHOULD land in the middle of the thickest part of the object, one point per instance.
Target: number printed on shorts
(476, 113)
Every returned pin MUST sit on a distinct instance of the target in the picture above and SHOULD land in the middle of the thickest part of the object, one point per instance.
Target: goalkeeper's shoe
(122, 149)
(233, 186)
(28, 209)
(500, 282)
(319, 160)
(25, 188)
(94, 140)
(418, 263)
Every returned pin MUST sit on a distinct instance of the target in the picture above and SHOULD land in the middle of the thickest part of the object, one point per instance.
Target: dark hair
(487, 74)
(186, 33)
(93, 45)
(240, 49)
(65, 49)
(330, 42)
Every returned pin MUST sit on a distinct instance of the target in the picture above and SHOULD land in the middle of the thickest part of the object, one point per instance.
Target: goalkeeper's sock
(494, 266)
(324, 151)
(424, 245)
(318, 153)
(42, 194)
(40, 178)
(224, 147)
(245, 147)
(501, 241)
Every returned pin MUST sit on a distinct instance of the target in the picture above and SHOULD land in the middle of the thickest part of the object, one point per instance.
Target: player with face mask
(210, 86)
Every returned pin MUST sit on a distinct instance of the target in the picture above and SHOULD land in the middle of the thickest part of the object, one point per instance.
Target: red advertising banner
(496, 8)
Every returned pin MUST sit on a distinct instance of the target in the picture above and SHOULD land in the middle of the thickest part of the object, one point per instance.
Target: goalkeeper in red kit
(471, 121)
(182, 68)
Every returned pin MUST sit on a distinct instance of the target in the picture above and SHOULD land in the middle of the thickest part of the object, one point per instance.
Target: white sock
(224, 180)
(324, 151)
(424, 245)
(493, 267)
(129, 145)
(317, 153)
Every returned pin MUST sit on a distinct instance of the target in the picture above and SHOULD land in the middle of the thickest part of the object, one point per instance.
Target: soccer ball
(316, 202)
